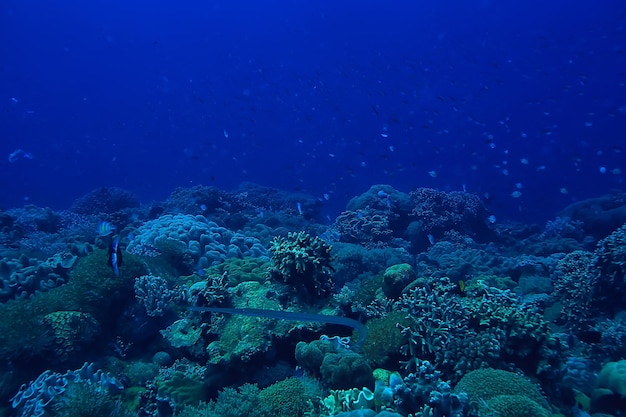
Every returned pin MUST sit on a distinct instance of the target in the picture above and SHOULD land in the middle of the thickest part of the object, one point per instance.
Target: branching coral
(304, 263)
(435, 315)
(439, 211)
(576, 276)
(366, 227)
(611, 260)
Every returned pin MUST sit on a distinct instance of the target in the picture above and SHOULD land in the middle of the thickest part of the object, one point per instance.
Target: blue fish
(105, 228)
(115, 255)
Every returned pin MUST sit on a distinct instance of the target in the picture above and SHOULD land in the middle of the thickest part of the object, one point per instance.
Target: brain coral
(513, 406)
(485, 384)
(285, 398)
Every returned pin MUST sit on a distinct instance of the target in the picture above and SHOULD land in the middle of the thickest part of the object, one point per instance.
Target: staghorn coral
(524, 337)
(484, 327)
(435, 315)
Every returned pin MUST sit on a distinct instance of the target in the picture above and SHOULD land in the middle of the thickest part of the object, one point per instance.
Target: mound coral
(487, 384)
(285, 398)
(193, 242)
(611, 387)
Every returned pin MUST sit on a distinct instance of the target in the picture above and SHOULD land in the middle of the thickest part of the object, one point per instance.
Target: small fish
(19, 154)
(115, 255)
(105, 228)
(299, 206)
(431, 239)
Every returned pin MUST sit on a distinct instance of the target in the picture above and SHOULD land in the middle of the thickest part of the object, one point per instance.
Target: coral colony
(406, 304)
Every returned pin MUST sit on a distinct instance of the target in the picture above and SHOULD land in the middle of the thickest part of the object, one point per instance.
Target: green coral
(183, 333)
(244, 401)
(384, 337)
(484, 384)
(512, 406)
(183, 388)
(523, 335)
(239, 270)
(346, 369)
(69, 330)
(303, 262)
(201, 410)
(286, 398)
(311, 355)
(242, 337)
(88, 400)
(92, 289)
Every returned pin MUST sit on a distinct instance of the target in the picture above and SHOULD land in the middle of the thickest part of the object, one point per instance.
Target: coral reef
(220, 289)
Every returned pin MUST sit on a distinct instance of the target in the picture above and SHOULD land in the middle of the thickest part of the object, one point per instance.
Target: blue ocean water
(324, 97)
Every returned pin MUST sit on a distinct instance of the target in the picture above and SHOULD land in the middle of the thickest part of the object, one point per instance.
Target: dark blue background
(138, 94)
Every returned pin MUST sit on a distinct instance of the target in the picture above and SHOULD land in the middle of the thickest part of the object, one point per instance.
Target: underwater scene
(312, 209)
